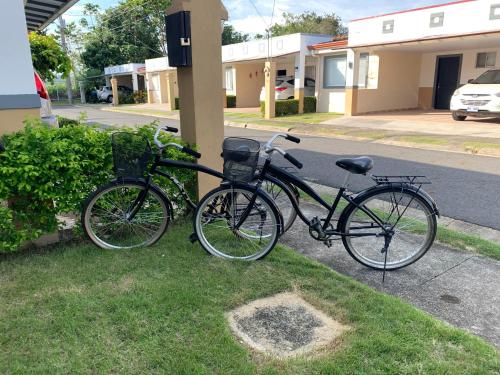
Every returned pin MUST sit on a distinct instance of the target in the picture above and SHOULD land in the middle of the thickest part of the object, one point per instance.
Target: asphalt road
(465, 187)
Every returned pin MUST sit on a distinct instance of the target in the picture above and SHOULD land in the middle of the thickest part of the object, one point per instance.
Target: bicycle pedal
(193, 237)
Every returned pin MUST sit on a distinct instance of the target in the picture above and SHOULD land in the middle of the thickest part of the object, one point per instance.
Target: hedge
(177, 103)
(47, 171)
(291, 106)
(231, 101)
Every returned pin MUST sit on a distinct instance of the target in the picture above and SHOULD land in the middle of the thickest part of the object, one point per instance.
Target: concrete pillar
(270, 86)
(300, 71)
(224, 88)
(135, 82)
(201, 115)
(114, 88)
(351, 83)
(83, 100)
(171, 77)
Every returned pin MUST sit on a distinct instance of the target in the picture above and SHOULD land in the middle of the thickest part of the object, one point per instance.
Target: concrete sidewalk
(458, 287)
(436, 123)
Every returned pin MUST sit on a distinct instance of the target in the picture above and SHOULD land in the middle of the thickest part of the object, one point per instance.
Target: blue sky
(245, 18)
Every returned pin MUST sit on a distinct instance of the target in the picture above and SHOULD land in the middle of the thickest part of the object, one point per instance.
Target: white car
(45, 104)
(105, 93)
(479, 98)
(285, 88)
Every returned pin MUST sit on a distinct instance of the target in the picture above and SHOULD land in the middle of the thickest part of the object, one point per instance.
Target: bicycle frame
(283, 175)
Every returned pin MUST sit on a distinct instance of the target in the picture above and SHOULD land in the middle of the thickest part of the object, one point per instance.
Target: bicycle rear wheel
(218, 215)
(283, 201)
(402, 210)
(108, 216)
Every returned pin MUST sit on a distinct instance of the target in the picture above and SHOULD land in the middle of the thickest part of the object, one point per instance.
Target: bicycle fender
(430, 201)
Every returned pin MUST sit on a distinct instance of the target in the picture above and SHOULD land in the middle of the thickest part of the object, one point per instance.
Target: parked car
(479, 98)
(105, 93)
(45, 103)
(285, 88)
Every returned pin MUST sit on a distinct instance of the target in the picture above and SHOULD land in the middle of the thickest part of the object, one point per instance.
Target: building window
(388, 27)
(363, 70)
(229, 79)
(334, 71)
(437, 19)
(495, 12)
(281, 72)
(486, 60)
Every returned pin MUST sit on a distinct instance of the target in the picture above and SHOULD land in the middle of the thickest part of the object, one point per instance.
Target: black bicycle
(132, 211)
(385, 227)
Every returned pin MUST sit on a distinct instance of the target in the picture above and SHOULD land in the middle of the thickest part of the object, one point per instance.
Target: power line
(258, 12)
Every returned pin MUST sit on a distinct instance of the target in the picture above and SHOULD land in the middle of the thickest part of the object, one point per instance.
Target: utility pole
(69, 90)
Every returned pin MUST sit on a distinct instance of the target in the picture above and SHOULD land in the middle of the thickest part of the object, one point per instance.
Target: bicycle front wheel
(403, 211)
(114, 219)
(222, 232)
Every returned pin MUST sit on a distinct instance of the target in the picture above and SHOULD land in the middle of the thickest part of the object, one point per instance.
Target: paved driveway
(426, 122)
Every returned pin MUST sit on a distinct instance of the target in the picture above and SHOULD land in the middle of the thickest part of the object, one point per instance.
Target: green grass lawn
(81, 310)
(257, 118)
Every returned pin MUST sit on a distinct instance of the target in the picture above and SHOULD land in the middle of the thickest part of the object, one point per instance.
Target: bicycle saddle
(359, 165)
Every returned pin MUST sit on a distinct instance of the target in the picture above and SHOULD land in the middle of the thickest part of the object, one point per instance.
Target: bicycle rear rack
(401, 180)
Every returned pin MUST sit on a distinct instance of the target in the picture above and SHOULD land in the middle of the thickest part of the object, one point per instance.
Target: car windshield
(490, 77)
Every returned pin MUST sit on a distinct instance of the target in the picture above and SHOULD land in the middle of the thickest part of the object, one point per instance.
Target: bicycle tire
(86, 217)
(363, 199)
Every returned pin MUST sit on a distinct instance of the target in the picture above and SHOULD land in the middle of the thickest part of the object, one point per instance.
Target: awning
(40, 13)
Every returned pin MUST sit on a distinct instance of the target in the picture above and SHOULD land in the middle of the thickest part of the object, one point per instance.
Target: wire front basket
(131, 154)
(241, 156)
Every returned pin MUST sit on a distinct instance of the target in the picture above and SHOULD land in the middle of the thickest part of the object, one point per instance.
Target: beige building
(410, 59)
(159, 75)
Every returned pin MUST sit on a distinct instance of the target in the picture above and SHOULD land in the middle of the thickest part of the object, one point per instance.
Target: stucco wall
(249, 82)
(468, 70)
(329, 100)
(398, 83)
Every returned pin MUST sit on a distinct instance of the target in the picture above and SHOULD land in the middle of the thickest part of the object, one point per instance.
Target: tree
(308, 22)
(48, 56)
(231, 36)
(133, 31)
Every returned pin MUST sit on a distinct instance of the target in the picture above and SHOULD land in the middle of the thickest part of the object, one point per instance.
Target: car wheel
(110, 99)
(458, 117)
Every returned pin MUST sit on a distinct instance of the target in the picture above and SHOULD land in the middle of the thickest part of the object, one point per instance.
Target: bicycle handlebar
(162, 146)
(269, 148)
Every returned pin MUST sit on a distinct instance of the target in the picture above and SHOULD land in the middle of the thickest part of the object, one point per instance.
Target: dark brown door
(447, 80)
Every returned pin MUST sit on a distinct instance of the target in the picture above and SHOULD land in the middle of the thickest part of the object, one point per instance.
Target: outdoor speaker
(178, 28)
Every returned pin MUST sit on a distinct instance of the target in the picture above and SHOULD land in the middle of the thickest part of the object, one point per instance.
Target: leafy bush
(64, 121)
(309, 104)
(124, 98)
(284, 107)
(47, 171)
(140, 97)
(177, 103)
(291, 106)
(231, 101)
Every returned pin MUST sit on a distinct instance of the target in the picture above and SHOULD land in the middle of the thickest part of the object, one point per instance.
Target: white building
(409, 59)
(18, 96)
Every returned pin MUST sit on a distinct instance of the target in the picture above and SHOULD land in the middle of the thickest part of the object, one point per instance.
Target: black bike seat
(359, 165)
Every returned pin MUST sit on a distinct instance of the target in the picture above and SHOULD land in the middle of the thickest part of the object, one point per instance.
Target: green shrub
(177, 103)
(309, 104)
(231, 101)
(140, 97)
(126, 98)
(284, 107)
(47, 171)
(64, 121)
